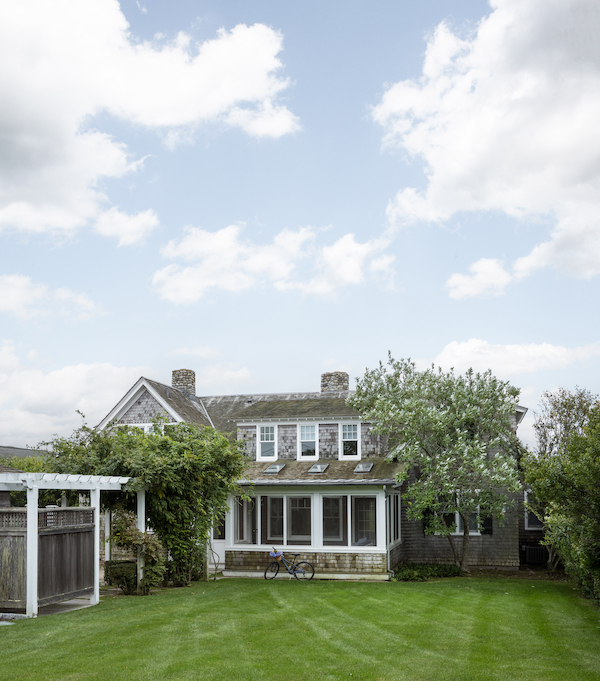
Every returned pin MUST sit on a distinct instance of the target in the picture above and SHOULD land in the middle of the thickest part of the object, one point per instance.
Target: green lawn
(462, 628)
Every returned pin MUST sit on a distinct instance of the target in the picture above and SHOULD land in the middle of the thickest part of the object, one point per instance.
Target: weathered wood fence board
(65, 555)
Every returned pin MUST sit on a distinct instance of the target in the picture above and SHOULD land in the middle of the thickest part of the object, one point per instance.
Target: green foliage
(566, 483)
(454, 433)
(188, 473)
(124, 533)
(421, 572)
(35, 464)
(123, 574)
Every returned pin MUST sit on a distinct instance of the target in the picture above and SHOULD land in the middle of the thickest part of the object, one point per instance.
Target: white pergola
(33, 483)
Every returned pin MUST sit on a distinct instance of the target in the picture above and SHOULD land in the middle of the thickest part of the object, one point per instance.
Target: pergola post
(141, 525)
(31, 606)
(95, 504)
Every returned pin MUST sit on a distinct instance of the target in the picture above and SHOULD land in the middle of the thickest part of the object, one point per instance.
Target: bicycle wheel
(272, 570)
(303, 571)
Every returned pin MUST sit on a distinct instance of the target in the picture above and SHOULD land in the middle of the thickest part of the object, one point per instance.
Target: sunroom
(341, 516)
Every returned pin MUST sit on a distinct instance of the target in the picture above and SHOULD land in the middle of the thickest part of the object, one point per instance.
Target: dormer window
(307, 443)
(349, 441)
(266, 444)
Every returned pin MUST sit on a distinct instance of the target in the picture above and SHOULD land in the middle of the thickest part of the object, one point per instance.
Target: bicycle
(302, 570)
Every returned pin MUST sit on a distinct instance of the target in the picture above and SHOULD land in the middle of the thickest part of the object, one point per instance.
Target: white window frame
(341, 456)
(299, 441)
(316, 522)
(537, 528)
(394, 518)
(259, 456)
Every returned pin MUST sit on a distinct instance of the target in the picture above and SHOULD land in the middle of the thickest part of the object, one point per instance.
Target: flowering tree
(456, 437)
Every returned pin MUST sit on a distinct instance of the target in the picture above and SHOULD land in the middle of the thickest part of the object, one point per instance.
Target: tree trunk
(454, 550)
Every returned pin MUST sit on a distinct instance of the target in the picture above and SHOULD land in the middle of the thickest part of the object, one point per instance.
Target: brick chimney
(334, 381)
(185, 380)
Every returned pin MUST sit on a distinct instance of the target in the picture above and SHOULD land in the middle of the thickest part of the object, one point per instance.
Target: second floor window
(308, 442)
(350, 440)
(267, 442)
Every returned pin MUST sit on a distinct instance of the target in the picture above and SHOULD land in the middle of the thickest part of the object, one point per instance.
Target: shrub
(123, 574)
(421, 572)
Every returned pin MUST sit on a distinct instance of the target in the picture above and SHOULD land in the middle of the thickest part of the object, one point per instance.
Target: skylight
(318, 468)
(274, 468)
(363, 467)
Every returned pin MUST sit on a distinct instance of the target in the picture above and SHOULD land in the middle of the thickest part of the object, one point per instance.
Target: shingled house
(318, 481)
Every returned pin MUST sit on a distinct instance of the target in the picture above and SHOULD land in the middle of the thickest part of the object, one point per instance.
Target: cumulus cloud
(35, 404)
(225, 260)
(506, 120)
(512, 360)
(24, 298)
(64, 62)
(487, 277)
(128, 229)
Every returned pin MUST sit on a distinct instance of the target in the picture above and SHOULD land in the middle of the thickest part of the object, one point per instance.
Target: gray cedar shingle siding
(328, 441)
(144, 410)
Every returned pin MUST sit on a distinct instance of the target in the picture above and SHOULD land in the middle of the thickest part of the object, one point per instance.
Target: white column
(381, 520)
(141, 524)
(107, 530)
(31, 607)
(317, 519)
(95, 504)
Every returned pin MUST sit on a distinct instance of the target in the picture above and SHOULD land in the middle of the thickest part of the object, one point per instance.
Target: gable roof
(177, 404)
(21, 452)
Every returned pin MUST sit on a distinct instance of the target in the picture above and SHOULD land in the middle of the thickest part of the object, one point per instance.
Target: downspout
(387, 532)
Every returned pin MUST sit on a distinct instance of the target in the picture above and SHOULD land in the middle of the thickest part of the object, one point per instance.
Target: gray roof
(189, 407)
(383, 472)
(21, 452)
(227, 410)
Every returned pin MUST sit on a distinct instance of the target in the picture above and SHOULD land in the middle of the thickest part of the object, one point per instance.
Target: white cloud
(512, 360)
(202, 351)
(488, 278)
(224, 260)
(129, 229)
(37, 404)
(20, 296)
(507, 120)
(62, 63)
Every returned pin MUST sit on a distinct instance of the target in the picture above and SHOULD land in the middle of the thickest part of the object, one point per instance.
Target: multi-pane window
(364, 526)
(532, 521)
(267, 442)
(308, 442)
(299, 520)
(335, 521)
(349, 439)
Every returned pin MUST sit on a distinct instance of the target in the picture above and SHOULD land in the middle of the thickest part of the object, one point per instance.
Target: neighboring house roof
(21, 452)
(383, 472)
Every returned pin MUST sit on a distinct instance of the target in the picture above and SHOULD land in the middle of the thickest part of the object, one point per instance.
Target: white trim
(357, 456)
(258, 441)
(299, 442)
(316, 522)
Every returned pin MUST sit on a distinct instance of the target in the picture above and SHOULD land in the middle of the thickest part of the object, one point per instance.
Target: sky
(265, 191)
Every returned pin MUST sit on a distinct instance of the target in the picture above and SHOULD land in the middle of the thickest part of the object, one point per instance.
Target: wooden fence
(65, 555)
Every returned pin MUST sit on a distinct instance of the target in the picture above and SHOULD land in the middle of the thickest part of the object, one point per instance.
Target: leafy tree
(455, 435)
(188, 472)
(563, 414)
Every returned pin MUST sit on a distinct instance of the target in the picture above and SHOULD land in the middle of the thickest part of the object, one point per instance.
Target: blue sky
(264, 191)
